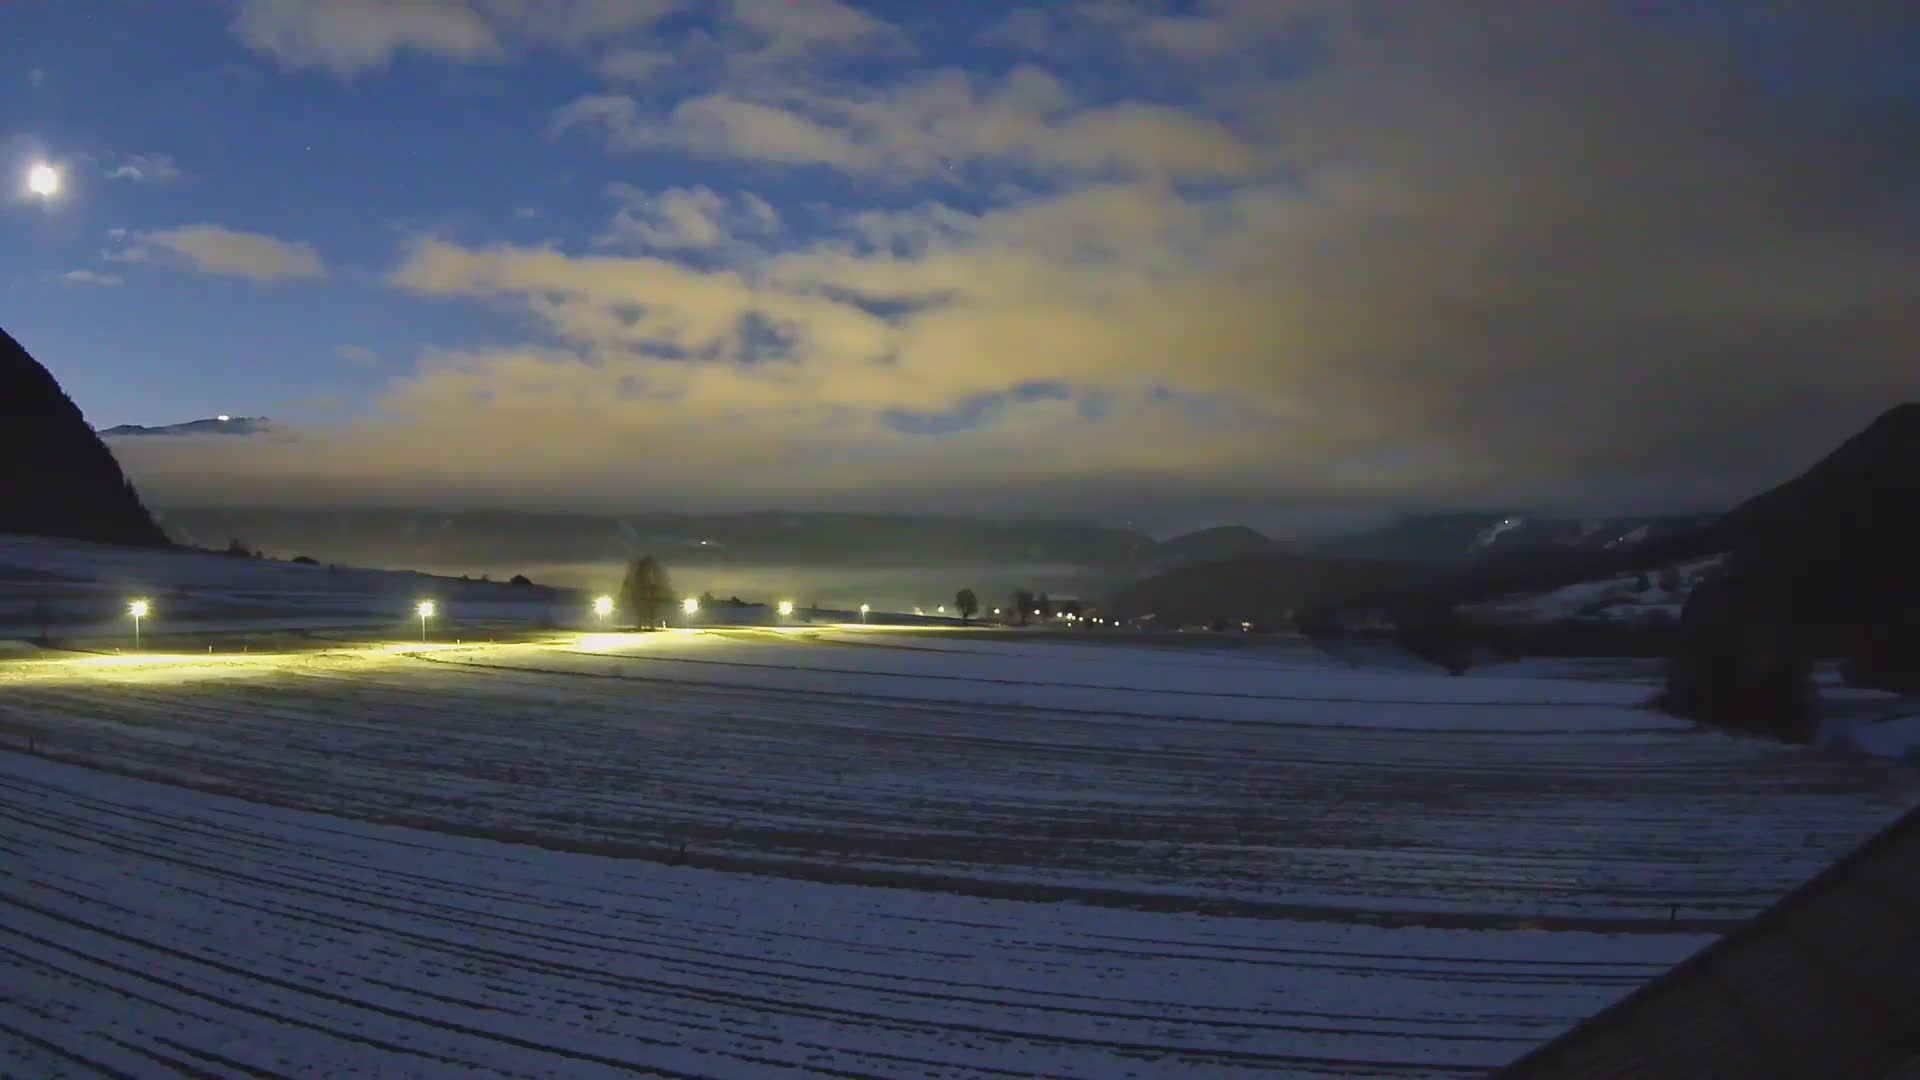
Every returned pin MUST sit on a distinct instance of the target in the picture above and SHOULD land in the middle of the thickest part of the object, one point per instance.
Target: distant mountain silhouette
(56, 477)
(1455, 539)
(1269, 591)
(1208, 545)
(230, 425)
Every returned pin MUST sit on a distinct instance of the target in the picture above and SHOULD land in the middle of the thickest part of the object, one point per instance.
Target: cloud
(85, 277)
(1027, 118)
(344, 37)
(677, 219)
(1207, 32)
(1579, 255)
(806, 29)
(146, 169)
(634, 65)
(214, 249)
(347, 37)
(357, 354)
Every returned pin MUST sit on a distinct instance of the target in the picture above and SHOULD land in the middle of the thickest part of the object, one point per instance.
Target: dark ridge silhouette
(232, 425)
(1213, 545)
(56, 477)
(1271, 591)
(1835, 552)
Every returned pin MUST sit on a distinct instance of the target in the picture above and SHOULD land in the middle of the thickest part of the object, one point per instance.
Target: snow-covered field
(1623, 598)
(61, 588)
(905, 853)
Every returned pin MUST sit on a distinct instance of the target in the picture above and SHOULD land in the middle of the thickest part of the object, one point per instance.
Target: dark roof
(1825, 983)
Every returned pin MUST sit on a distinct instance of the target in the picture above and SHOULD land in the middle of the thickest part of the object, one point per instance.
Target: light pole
(687, 608)
(426, 612)
(138, 609)
(603, 607)
(786, 609)
(863, 613)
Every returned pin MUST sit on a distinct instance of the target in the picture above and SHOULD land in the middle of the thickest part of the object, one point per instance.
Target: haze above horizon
(1153, 263)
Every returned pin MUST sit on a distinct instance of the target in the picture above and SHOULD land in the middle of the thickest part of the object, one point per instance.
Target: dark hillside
(56, 477)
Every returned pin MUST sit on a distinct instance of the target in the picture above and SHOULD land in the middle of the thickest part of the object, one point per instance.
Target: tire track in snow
(163, 826)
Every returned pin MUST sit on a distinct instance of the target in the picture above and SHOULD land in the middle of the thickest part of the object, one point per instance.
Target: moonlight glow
(43, 180)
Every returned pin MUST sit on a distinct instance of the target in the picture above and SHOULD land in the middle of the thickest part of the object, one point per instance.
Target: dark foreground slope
(1826, 564)
(56, 476)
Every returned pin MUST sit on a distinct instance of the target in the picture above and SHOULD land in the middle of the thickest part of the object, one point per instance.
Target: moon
(43, 180)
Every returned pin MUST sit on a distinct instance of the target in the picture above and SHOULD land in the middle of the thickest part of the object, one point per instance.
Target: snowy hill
(1627, 599)
(60, 588)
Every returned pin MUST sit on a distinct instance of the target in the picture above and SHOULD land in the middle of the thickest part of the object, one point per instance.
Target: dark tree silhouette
(646, 595)
(968, 604)
(59, 478)
(1740, 662)
(520, 581)
(1022, 605)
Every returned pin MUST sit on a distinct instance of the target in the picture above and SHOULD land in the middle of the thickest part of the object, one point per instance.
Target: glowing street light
(138, 609)
(863, 613)
(425, 610)
(942, 609)
(786, 608)
(603, 607)
(688, 607)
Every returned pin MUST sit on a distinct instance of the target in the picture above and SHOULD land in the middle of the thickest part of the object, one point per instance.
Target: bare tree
(968, 604)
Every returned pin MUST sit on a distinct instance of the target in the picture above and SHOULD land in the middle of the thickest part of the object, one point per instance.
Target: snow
(1493, 533)
(66, 588)
(154, 925)
(907, 852)
(1622, 598)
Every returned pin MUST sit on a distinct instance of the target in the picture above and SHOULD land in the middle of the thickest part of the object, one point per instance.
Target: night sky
(1165, 263)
